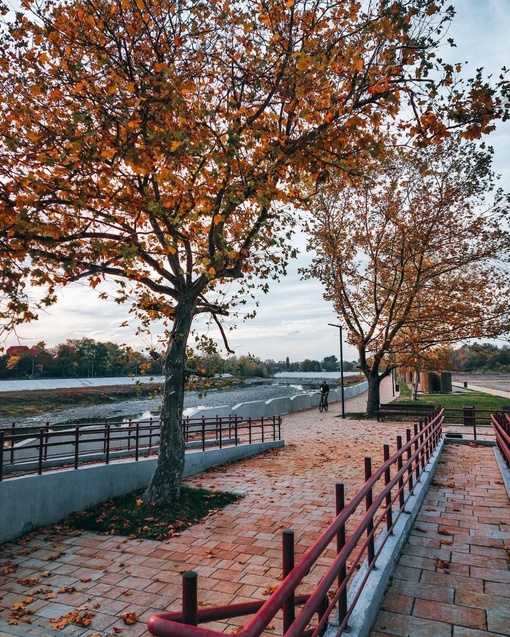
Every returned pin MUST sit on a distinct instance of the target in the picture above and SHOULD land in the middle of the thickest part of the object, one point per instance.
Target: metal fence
(23, 452)
(501, 427)
(382, 499)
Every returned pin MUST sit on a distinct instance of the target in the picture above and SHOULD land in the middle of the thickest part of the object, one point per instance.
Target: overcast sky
(292, 319)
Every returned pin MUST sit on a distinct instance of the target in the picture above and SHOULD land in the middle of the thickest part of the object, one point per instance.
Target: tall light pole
(341, 368)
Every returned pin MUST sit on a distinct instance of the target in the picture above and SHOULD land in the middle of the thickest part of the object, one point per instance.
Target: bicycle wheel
(321, 405)
(325, 405)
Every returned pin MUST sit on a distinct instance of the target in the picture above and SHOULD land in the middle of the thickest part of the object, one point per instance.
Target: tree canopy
(161, 144)
(413, 257)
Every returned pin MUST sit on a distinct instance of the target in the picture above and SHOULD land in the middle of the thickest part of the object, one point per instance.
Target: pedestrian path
(453, 578)
(111, 585)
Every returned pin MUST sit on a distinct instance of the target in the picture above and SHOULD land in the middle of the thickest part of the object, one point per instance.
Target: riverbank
(130, 400)
(48, 400)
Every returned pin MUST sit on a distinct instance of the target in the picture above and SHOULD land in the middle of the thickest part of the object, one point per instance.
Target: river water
(146, 407)
(118, 411)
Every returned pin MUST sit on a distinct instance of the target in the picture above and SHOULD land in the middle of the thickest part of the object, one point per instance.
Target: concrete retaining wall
(278, 406)
(252, 409)
(273, 407)
(29, 502)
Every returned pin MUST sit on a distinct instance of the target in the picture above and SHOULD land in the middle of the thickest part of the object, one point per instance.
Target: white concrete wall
(277, 406)
(29, 502)
(252, 409)
(300, 402)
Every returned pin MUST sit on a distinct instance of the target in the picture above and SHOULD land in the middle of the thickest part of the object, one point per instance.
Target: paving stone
(476, 576)
(237, 552)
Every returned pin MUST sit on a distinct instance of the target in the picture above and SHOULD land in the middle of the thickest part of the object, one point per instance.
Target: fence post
(189, 598)
(107, 442)
(387, 478)
(288, 565)
(417, 461)
(340, 543)
(46, 441)
(423, 451)
(76, 447)
(137, 439)
(370, 523)
(13, 433)
(401, 479)
(129, 434)
(41, 451)
(410, 470)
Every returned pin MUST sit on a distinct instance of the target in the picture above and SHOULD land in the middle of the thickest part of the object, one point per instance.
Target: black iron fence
(34, 452)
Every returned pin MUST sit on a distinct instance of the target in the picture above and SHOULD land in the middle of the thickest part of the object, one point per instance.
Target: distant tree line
(87, 358)
(76, 358)
(482, 358)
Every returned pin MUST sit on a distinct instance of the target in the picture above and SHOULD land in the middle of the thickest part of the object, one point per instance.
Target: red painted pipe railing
(398, 475)
(501, 427)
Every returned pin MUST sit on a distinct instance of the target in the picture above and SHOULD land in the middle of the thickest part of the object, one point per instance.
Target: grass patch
(475, 399)
(129, 516)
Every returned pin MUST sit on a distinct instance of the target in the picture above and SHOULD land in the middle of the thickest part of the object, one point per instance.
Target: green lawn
(475, 399)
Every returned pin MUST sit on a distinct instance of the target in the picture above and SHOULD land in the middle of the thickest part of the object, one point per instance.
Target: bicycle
(323, 403)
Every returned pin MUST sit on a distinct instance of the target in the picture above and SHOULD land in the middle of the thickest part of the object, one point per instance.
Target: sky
(292, 319)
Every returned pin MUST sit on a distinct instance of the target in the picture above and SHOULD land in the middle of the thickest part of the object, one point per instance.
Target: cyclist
(324, 392)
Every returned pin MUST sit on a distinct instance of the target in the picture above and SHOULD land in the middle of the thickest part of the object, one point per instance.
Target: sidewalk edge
(368, 605)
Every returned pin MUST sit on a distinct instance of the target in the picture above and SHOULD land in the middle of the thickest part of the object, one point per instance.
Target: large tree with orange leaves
(413, 256)
(157, 143)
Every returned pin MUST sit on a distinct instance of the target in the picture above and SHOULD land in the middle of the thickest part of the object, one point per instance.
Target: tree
(330, 364)
(160, 143)
(411, 259)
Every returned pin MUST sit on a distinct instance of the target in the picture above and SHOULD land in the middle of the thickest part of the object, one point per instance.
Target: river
(146, 407)
(251, 390)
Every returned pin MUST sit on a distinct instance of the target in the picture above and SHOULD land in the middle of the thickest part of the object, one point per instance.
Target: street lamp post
(341, 368)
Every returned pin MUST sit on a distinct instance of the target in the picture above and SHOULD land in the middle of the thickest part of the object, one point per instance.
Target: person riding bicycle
(324, 390)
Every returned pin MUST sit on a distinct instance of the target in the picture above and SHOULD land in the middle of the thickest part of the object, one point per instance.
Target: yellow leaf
(108, 153)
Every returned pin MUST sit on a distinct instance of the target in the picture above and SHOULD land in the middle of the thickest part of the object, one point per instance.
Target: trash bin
(469, 416)
(465, 383)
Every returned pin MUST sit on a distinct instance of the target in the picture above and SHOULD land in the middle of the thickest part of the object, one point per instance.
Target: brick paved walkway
(236, 552)
(453, 578)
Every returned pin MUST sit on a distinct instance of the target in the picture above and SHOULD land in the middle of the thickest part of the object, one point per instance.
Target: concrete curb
(505, 471)
(368, 605)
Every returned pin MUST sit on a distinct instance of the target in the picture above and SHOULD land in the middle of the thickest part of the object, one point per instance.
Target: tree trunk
(416, 382)
(165, 484)
(373, 399)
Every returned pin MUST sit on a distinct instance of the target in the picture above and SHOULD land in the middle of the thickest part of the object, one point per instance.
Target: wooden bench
(399, 410)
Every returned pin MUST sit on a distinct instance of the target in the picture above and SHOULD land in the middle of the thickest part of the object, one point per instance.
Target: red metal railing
(501, 427)
(383, 496)
(82, 444)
